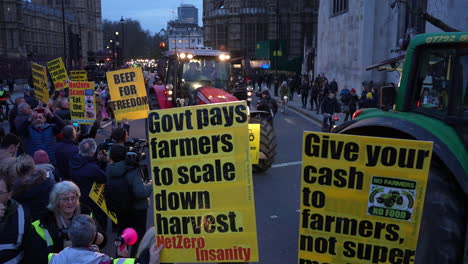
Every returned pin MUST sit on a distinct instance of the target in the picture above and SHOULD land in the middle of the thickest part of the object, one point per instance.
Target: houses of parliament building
(33, 31)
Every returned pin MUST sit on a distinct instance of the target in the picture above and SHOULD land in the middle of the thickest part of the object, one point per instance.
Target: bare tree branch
(437, 22)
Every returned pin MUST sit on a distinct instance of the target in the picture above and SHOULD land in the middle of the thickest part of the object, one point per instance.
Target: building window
(173, 41)
(179, 41)
(339, 7)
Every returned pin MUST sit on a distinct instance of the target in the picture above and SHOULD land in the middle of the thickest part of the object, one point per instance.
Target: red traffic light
(107, 59)
(162, 45)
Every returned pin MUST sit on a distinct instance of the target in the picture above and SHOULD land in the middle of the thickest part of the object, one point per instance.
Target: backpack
(117, 194)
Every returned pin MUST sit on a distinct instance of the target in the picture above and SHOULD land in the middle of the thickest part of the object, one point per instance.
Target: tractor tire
(267, 144)
(444, 221)
(153, 100)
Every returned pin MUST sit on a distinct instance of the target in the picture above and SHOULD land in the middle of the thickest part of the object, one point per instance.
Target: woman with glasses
(50, 233)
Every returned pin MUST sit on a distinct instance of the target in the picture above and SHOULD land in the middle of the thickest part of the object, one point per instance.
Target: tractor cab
(185, 71)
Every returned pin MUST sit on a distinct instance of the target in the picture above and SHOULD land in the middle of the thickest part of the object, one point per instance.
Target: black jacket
(84, 171)
(9, 231)
(64, 152)
(330, 106)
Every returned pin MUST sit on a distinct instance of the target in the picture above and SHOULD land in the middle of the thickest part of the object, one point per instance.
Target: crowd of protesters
(48, 166)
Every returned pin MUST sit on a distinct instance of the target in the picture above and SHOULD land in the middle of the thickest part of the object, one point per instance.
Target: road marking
(294, 163)
(306, 117)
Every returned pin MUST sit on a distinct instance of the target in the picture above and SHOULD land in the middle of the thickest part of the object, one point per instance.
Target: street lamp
(64, 36)
(122, 30)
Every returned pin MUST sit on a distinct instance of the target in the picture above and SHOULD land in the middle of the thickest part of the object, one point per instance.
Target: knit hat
(41, 157)
(353, 90)
(117, 153)
(369, 95)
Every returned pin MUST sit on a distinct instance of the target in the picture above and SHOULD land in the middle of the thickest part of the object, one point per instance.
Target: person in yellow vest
(49, 234)
(82, 233)
(15, 222)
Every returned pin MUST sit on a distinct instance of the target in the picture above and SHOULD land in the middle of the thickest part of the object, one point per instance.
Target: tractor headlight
(170, 92)
(182, 55)
(249, 93)
(169, 86)
(189, 56)
(249, 88)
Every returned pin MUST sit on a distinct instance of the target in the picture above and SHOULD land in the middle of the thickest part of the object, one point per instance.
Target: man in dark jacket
(329, 106)
(305, 88)
(334, 87)
(139, 191)
(314, 93)
(64, 151)
(38, 134)
(84, 171)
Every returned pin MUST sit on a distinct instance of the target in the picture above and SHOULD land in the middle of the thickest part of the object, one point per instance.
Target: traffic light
(162, 45)
(108, 59)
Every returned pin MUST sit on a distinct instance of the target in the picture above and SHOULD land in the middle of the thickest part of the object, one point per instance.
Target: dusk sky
(152, 14)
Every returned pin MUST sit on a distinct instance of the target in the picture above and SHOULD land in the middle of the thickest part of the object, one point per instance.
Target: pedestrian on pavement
(334, 86)
(64, 152)
(9, 145)
(314, 92)
(50, 233)
(84, 171)
(351, 104)
(305, 88)
(133, 208)
(15, 223)
(32, 187)
(11, 83)
(38, 134)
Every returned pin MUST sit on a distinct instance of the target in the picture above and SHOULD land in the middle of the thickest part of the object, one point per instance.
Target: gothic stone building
(238, 25)
(32, 31)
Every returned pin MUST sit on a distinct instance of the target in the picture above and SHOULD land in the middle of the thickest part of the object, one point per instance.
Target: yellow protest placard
(128, 94)
(82, 102)
(254, 138)
(202, 178)
(362, 198)
(97, 195)
(58, 73)
(79, 75)
(41, 90)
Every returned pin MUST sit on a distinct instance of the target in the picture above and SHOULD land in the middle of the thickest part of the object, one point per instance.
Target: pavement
(296, 105)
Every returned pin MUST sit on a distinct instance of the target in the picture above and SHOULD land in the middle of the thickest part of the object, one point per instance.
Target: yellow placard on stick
(128, 94)
(97, 195)
(82, 102)
(41, 90)
(254, 138)
(362, 198)
(79, 75)
(58, 73)
(202, 177)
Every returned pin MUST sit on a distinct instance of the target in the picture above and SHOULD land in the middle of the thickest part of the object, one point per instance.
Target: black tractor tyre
(267, 144)
(153, 100)
(443, 227)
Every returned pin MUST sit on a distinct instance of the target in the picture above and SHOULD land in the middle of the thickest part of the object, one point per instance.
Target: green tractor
(432, 105)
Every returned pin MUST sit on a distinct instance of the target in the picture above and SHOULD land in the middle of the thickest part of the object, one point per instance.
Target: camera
(135, 151)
